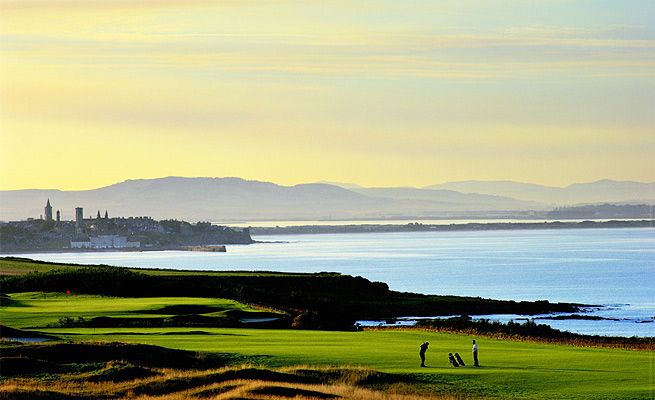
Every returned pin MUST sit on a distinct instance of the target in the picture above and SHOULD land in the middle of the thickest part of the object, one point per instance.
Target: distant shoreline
(205, 249)
(374, 228)
(472, 226)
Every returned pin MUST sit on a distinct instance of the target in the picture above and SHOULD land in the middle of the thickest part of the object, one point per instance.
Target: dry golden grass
(242, 382)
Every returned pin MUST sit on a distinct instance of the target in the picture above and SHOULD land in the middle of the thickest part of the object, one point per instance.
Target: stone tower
(58, 216)
(48, 211)
(79, 219)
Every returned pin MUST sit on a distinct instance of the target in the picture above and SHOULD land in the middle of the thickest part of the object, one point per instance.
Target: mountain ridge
(232, 198)
(603, 190)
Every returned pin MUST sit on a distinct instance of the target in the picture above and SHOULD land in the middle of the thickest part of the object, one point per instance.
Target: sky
(379, 93)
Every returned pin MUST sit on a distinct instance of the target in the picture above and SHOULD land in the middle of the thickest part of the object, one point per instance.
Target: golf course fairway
(509, 369)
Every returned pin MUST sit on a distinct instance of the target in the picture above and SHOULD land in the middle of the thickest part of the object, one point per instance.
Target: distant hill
(604, 211)
(344, 185)
(602, 191)
(450, 198)
(236, 199)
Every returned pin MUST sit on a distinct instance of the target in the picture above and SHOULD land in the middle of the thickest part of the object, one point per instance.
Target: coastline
(471, 226)
(521, 265)
(365, 228)
(198, 248)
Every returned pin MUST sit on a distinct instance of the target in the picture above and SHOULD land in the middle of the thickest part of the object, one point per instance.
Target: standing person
(475, 354)
(424, 348)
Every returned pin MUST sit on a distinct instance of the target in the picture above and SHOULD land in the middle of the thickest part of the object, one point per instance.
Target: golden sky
(380, 93)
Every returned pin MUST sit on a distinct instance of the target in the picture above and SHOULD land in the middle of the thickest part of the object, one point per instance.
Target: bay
(614, 268)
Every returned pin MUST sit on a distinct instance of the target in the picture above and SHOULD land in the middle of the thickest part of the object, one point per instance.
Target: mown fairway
(509, 368)
(38, 309)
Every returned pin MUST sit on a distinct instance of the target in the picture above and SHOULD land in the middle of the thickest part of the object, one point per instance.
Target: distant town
(103, 233)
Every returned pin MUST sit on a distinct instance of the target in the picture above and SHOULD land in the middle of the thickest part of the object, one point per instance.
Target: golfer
(424, 348)
(475, 354)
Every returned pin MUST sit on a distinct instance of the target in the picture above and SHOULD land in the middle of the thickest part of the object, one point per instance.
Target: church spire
(48, 211)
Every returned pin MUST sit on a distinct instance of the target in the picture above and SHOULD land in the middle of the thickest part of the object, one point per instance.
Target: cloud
(443, 57)
(280, 39)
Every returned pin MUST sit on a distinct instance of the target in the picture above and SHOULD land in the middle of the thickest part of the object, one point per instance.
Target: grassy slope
(509, 369)
(337, 300)
(19, 266)
(113, 377)
(37, 309)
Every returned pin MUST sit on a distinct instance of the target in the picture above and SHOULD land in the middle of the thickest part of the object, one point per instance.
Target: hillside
(235, 199)
(602, 191)
(322, 300)
(177, 345)
(229, 200)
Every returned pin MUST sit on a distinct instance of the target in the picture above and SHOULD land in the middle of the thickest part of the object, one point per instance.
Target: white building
(105, 242)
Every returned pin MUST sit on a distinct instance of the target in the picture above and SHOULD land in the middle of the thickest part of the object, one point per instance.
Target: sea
(612, 269)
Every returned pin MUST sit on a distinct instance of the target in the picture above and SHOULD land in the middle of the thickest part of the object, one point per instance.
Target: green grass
(38, 309)
(509, 369)
(19, 266)
(13, 266)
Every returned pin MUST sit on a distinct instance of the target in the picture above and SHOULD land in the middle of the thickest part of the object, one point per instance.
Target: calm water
(610, 267)
(448, 221)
